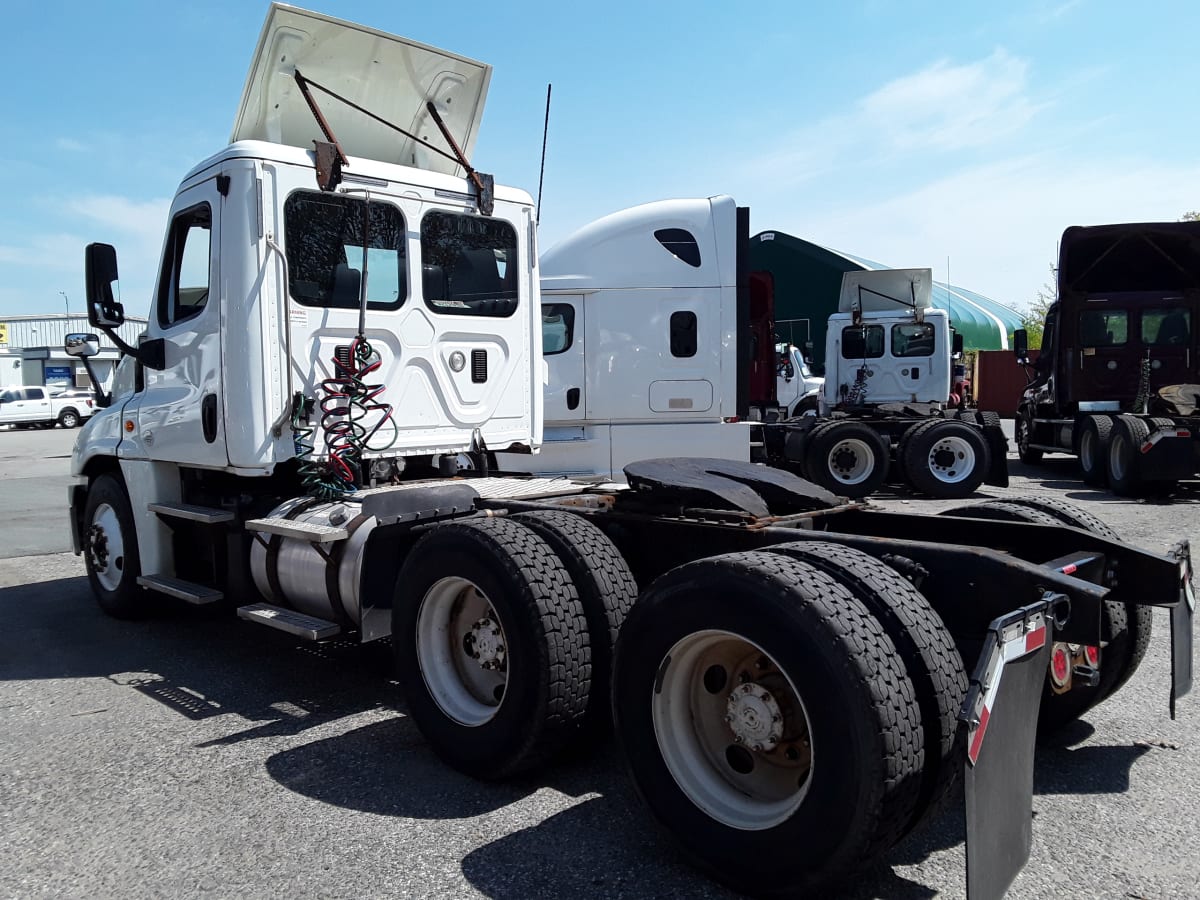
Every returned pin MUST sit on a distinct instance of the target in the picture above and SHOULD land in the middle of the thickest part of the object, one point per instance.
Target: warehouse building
(808, 282)
(31, 350)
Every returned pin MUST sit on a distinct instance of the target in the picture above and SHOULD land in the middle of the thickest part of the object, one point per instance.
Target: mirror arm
(103, 400)
(151, 354)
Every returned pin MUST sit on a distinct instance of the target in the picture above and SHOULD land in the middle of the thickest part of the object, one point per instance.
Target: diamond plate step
(314, 534)
(205, 514)
(289, 620)
(198, 594)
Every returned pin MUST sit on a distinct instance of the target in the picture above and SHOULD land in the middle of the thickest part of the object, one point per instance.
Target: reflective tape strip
(1019, 641)
(1160, 435)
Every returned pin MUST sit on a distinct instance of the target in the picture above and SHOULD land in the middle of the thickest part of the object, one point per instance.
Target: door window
(9, 396)
(324, 234)
(558, 328)
(33, 394)
(469, 265)
(184, 281)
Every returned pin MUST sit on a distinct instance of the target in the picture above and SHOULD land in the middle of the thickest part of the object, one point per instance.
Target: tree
(1034, 318)
(1190, 217)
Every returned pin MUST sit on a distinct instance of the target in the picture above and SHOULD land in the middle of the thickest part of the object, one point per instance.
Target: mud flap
(1000, 714)
(1182, 614)
(997, 473)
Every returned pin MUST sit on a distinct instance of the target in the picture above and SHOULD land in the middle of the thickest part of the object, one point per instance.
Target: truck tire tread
(925, 645)
(607, 591)
(540, 602)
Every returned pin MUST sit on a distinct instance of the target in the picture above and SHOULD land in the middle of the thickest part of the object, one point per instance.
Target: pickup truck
(36, 406)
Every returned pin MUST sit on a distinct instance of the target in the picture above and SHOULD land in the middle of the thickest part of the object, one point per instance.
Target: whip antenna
(542, 170)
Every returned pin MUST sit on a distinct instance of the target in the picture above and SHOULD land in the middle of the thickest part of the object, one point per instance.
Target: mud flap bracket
(1000, 718)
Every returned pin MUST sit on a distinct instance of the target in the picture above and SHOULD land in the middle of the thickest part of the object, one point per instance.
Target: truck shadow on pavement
(204, 667)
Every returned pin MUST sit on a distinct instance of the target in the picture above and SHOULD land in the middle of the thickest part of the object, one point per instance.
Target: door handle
(208, 417)
(572, 398)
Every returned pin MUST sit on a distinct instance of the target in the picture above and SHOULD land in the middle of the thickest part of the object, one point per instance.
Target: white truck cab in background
(797, 389)
(640, 340)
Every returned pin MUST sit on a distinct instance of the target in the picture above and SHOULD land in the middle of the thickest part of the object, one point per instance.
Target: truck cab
(1120, 339)
(886, 344)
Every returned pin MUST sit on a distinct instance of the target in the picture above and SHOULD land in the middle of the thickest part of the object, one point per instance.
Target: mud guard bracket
(1002, 706)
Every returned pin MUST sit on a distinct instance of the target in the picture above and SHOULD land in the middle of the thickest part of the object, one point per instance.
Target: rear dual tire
(768, 721)
(1125, 628)
(944, 458)
(503, 630)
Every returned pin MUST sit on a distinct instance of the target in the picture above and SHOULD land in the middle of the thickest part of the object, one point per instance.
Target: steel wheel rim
(462, 651)
(708, 729)
(1022, 433)
(106, 549)
(1116, 456)
(963, 459)
(863, 461)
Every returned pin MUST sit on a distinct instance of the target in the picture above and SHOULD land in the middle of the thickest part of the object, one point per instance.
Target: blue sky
(913, 133)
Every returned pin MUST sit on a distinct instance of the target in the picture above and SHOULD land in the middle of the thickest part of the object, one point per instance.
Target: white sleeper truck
(655, 330)
(347, 327)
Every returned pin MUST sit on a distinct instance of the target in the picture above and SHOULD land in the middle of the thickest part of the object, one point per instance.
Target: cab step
(302, 531)
(309, 627)
(207, 514)
(198, 594)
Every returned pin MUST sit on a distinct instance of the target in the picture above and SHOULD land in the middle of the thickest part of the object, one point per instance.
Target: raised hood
(391, 76)
(1150, 256)
(886, 290)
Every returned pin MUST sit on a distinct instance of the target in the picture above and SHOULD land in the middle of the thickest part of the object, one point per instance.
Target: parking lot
(192, 754)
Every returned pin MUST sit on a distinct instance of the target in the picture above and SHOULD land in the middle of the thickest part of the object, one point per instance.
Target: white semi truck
(658, 342)
(342, 336)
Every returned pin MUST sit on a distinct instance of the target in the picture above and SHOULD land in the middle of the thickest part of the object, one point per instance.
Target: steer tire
(849, 459)
(1127, 626)
(1124, 456)
(112, 575)
(502, 568)
(924, 643)
(792, 628)
(967, 451)
(1023, 432)
(607, 590)
(1094, 436)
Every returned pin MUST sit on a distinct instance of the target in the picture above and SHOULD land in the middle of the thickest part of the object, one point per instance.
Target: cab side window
(183, 283)
(558, 328)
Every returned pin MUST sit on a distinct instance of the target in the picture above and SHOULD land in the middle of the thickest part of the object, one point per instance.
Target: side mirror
(957, 345)
(84, 345)
(100, 266)
(1021, 345)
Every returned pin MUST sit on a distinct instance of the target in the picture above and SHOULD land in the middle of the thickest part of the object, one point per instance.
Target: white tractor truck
(658, 342)
(342, 335)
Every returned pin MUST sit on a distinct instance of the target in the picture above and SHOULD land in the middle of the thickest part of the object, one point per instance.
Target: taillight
(1060, 665)
(1092, 655)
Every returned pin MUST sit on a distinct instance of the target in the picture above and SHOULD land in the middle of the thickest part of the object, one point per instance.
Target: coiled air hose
(352, 417)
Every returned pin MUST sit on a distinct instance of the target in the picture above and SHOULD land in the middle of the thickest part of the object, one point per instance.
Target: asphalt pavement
(195, 755)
